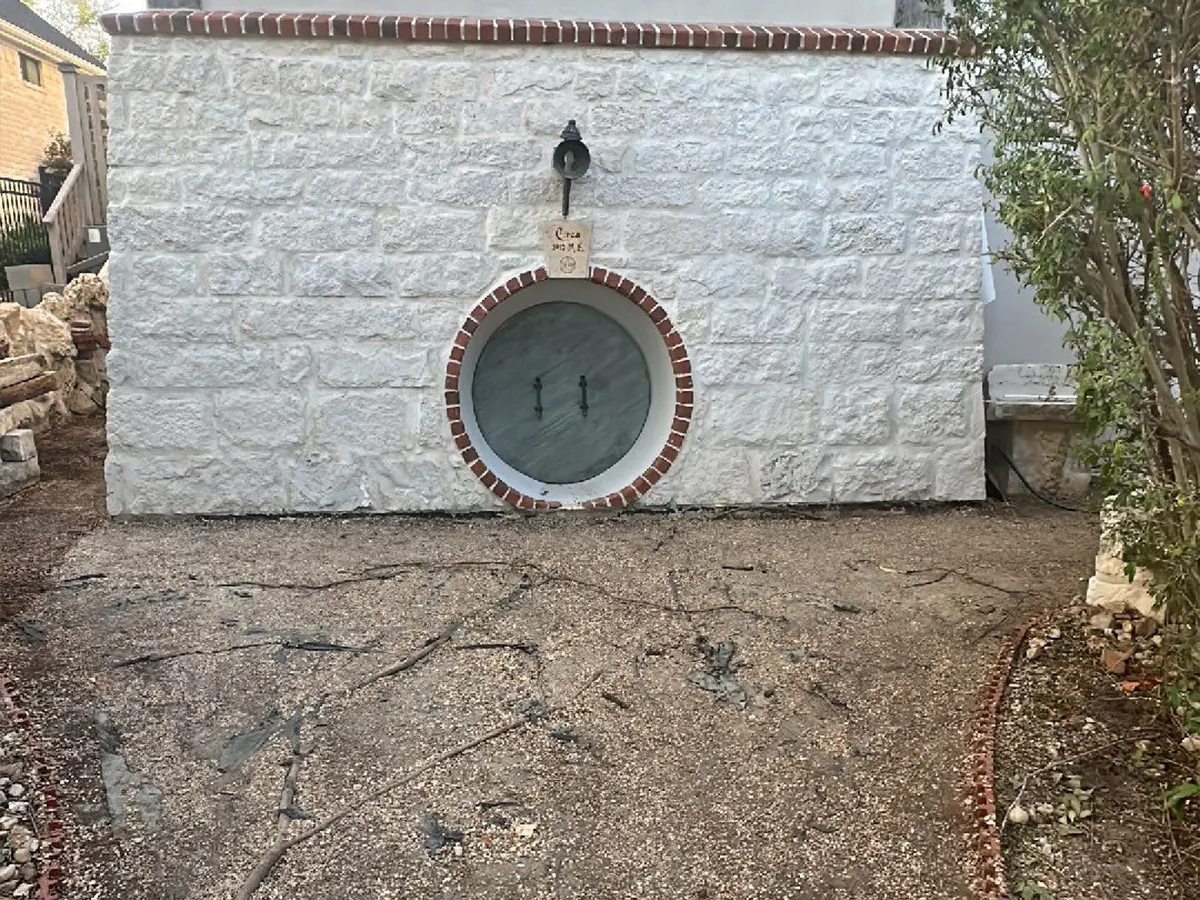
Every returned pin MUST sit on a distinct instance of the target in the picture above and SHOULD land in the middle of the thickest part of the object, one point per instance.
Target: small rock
(1191, 743)
(22, 856)
(1114, 660)
(1036, 645)
(1101, 621)
(16, 791)
(23, 890)
(1147, 627)
(18, 807)
(524, 829)
(8, 873)
(7, 887)
(1055, 633)
(1017, 815)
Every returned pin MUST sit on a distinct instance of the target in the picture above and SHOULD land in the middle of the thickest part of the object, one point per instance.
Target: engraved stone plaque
(568, 249)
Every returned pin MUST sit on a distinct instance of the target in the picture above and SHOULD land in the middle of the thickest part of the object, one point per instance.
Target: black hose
(1025, 481)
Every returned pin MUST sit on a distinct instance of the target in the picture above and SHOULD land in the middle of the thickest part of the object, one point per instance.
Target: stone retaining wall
(300, 226)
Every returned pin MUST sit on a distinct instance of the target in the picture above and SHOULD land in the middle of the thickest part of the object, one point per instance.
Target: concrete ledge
(1031, 410)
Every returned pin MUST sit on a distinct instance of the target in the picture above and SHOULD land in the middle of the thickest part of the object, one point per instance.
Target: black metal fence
(23, 238)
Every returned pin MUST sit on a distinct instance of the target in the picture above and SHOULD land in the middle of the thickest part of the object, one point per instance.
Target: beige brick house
(32, 101)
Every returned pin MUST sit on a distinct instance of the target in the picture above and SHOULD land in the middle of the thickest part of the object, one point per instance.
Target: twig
(307, 646)
(271, 858)
(176, 654)
(615, 700)
(438, 640)
(521, 648)
(383, 572)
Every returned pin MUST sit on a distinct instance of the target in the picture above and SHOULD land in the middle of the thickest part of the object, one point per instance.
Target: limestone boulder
(1110, 589)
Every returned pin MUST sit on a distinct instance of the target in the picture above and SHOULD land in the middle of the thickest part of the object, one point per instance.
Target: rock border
(987, 857)
(51, 839)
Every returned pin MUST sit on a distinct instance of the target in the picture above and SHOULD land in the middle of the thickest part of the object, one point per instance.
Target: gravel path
(717, 707)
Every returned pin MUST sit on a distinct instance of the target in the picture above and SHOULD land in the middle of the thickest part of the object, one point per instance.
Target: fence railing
(67, 223)
(87, 124)
(23, 238)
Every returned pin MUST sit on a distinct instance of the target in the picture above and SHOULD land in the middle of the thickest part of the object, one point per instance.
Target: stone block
(318, 230)
(918, 281)
(203, 484)
(180, 228)
(797, 476)
(158, 364)
(261, 419)
(245, 272)
(412, 482)
(341, 275)
(170, 276)
(931, 414)
(959, 473)
(942, 234)
(856, 161)
(882, 475)
(324, 77)
(147, 421)
(441, 232)
(363, 366)
(16, 476)
(766, 415)
(738, 364)
(858, 415)
(364, 420)
(320, 482)
(866, 235)
(17, 446)
(834, 323)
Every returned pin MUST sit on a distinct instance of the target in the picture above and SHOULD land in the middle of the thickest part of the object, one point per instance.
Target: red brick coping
(684, 394)
(457, 29)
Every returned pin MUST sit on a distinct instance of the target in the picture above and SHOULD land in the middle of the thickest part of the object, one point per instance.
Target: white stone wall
(299, 228)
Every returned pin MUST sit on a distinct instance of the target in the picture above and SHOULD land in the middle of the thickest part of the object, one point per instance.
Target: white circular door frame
(671, 393)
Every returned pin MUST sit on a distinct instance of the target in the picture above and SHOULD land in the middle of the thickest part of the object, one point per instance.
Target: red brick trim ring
(684, 392)
(456, 29)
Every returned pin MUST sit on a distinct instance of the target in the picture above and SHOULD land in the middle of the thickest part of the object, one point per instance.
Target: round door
(561, 392)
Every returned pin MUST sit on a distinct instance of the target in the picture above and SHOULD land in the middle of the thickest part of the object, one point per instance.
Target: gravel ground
(723, 707)
(1087, 764)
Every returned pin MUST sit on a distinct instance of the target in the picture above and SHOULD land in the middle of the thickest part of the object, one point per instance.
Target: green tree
(1092, 105)
(77, 19)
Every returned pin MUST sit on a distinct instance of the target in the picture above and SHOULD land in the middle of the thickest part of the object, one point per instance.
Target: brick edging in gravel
(990, 882)
(50, 826)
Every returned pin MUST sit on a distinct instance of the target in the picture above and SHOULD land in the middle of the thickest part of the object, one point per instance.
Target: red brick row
(454, 29)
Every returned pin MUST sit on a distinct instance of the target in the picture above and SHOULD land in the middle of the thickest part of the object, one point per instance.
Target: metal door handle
(583, 394)
(537, 387)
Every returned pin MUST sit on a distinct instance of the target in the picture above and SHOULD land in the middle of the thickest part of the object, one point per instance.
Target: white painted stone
(300, 227)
